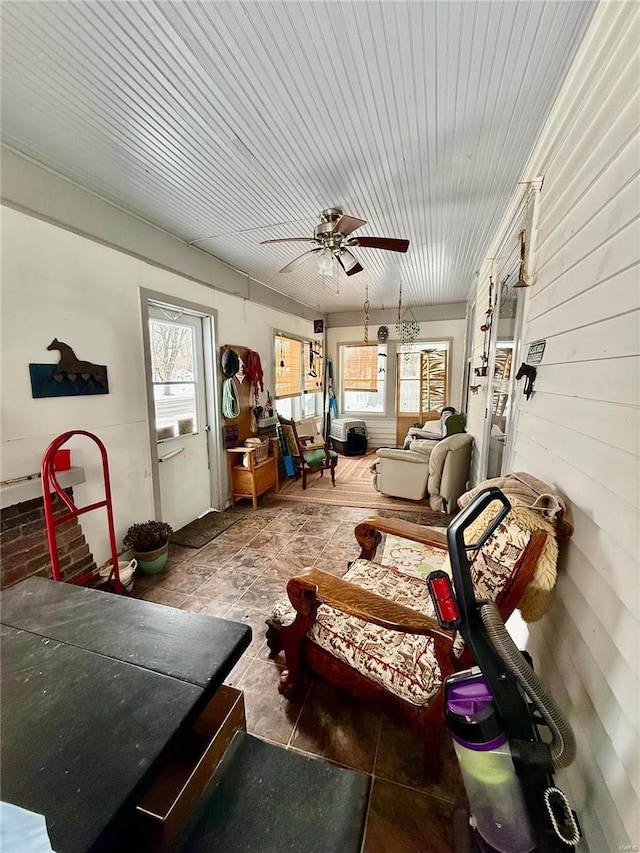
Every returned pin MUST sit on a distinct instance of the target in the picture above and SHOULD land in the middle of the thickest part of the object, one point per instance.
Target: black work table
(94, 688)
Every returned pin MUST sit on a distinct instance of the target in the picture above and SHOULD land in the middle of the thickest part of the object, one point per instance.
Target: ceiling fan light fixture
(349, 260)
(325, 261)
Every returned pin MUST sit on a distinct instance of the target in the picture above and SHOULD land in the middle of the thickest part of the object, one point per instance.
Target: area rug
(354, 487)
(201, 531)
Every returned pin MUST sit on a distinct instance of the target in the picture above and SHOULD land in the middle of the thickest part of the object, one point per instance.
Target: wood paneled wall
(580, 429)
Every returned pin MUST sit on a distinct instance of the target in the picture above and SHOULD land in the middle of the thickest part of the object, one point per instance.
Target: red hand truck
(51, 486)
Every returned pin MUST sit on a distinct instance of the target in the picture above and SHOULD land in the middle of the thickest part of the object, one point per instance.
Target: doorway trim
(210, 336)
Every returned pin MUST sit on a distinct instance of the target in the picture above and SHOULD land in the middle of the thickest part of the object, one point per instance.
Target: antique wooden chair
(309, 450)
(374, 631)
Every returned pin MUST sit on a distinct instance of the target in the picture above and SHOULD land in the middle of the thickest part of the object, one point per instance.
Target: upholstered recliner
(450, 422)
(373, 632)
(437, 470)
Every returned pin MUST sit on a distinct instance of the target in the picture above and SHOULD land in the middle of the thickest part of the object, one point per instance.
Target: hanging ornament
(522, 274)
(366, 314)
(486, 328)
(383, 334)
(407, 326)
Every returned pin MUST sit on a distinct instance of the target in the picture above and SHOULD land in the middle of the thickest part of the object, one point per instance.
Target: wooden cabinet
(254, 478)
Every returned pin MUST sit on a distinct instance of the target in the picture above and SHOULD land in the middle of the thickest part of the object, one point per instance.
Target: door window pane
(422, 378)
(174, 378)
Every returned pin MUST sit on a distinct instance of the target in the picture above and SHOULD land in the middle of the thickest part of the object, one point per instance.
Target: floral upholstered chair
(374, 632)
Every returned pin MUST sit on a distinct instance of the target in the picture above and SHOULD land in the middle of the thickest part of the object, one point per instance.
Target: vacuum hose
(563, 745)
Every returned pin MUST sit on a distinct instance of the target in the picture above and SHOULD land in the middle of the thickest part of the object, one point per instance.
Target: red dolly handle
(50, 485)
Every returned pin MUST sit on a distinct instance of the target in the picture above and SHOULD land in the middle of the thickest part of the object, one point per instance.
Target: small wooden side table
(257, 477)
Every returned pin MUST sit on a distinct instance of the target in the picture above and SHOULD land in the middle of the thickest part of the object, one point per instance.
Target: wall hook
(529, 372)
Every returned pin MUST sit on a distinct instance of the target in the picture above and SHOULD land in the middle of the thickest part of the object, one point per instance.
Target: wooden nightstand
(257, 477)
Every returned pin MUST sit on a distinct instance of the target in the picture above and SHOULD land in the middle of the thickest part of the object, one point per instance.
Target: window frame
(299, 402)
(382, 383)
(440, 343)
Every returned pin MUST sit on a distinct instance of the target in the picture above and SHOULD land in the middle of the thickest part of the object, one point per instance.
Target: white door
(180, 405)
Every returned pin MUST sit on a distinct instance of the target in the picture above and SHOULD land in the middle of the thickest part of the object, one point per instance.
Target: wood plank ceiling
(228, 123)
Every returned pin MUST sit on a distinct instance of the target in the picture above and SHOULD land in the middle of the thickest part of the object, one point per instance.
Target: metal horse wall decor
(70, 377)
(529, 373)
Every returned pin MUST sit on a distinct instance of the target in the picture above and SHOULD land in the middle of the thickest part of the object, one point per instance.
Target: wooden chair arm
(368, 534)
(314, 587)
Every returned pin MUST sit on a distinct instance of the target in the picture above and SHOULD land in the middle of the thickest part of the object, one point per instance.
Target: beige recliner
(438, 470)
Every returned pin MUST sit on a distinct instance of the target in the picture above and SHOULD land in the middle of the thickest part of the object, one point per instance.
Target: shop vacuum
(508, 733)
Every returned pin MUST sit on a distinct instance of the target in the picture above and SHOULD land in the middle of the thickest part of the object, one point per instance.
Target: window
(422, 385)
(288, 367)
(362, 376)
(173, 377)
(298, 373)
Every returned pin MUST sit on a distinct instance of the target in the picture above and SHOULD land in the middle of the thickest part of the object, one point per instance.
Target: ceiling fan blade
(391, 244)
(346, 224)
(299, 260)
(289, 240)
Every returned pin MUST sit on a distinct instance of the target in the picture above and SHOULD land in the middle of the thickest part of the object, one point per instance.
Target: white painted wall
(58, 284)
(580, 430)
(382, 428)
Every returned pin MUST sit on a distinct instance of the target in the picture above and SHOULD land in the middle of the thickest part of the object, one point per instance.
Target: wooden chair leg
(274, 638)
(304, 478)
(293, 635)
(333, 475)
(433, 734)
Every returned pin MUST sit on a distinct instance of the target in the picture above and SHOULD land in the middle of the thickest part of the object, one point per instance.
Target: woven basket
(262, 448)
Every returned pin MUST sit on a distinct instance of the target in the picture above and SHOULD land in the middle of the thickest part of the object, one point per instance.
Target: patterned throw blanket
(528, 491)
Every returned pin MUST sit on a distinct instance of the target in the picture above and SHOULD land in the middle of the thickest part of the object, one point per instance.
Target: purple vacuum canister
(497, 806)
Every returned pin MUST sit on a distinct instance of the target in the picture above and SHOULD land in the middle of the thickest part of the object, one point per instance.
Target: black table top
(94, 688)
(189, 646)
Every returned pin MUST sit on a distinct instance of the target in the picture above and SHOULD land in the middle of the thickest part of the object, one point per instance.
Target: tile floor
(240, 575)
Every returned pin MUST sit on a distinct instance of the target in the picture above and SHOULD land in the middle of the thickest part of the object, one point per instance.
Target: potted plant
(149, 542)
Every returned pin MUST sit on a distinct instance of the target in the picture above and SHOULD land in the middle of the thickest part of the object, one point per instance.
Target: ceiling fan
(333, 240)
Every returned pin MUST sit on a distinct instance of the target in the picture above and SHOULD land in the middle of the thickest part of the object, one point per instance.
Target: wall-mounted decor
(529, 373)
(70, 377)
(536, 351)
(407, 327)
(486, 329)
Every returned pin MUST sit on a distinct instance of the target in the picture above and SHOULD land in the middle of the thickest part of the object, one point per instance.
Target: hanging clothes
(253, 371)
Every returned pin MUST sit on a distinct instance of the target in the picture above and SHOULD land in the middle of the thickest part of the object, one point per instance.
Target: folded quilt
(529, 491)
